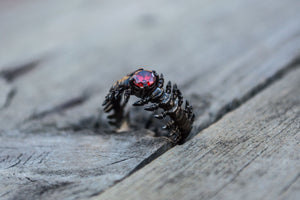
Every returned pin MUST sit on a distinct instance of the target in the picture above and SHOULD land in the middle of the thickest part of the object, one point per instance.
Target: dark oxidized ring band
(148, 86)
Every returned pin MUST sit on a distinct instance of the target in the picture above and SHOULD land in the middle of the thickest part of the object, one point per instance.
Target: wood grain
(58, 60)
(252, 153)
(213, 59)
(66, 164)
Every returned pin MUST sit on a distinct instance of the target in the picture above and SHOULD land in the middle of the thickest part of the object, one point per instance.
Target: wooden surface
(64, 165)
(58, 60)
(252, 153)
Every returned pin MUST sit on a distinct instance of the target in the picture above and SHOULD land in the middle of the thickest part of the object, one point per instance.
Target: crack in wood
(16, 163)
(119, 161)
(71, 103)
(29, 179)
(43, 156)
(11, 74)
(236, 103)
(259, 88)
(290, 184)
(29, 157)
(152, 157)
(86, 123)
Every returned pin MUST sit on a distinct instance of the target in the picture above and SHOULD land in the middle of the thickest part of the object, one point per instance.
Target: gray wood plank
(70, 165)
(218, 60)
(252, 153)
(59, 59)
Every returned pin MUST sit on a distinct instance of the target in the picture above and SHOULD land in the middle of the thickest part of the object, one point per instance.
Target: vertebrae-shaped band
(148, 86)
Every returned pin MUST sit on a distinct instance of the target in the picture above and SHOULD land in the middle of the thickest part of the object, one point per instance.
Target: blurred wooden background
(236, 61)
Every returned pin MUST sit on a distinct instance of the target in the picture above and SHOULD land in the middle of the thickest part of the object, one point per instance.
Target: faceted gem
(144, 78)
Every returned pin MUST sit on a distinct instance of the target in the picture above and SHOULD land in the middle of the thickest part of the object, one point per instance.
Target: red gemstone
(144, 78)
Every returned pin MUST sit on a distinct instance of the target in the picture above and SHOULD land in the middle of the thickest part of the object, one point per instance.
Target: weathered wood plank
(60, 68)
(69, 165)
(218, 60)
(252, 153)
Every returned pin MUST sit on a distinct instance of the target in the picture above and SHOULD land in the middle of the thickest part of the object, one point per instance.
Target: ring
(148, 86)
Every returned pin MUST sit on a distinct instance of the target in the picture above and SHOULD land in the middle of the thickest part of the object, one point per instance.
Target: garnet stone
(144, 78)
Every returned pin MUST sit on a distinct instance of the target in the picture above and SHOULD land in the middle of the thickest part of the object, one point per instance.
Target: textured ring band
(148, 86)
